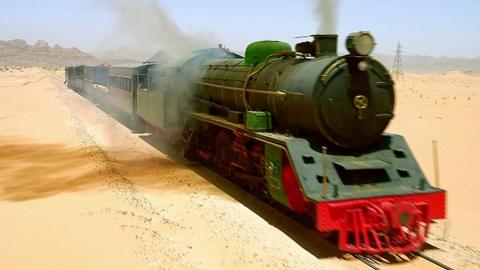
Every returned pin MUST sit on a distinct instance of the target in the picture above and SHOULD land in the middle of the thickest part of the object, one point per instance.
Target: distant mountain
(123, 54)
(429, 64)
(19, 53)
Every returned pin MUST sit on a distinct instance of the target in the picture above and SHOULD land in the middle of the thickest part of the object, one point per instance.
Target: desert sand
(446, 108)
(78, 190)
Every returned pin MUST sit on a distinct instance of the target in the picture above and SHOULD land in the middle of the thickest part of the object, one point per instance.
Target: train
(302, 127)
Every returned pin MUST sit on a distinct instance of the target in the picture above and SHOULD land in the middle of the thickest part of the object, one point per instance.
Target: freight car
(304, 128)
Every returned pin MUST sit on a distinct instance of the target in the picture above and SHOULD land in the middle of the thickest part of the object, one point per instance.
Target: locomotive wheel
(223, 145)
(189, 140)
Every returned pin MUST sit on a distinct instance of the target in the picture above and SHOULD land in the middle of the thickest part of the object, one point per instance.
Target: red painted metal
(396, 224)
(292, 189)
(204, 155)
(240, 153)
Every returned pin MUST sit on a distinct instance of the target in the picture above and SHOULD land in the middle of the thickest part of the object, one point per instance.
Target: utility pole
(397, 69)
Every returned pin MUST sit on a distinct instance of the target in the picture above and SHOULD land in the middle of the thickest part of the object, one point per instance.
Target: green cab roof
(259, 51)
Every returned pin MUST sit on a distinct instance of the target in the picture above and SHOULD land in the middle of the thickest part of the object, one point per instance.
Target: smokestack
(325, 45)
(322, 45)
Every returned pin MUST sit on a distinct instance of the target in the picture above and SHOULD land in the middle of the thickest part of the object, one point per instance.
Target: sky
(424, 27)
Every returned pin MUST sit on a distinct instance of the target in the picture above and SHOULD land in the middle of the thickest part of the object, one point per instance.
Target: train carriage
(122, 84)
(68, 75)
(88, 72)
(76, 78)
(100, 75)
(95, 80)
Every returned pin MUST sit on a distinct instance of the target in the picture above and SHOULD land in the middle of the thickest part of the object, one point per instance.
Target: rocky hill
(122, 54)
(127, 54)
(19, 53)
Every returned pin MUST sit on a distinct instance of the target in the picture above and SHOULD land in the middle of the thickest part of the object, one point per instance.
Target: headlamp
(360, 43)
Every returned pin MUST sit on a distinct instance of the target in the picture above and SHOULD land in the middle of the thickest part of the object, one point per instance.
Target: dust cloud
(148, 26)
(326, 12)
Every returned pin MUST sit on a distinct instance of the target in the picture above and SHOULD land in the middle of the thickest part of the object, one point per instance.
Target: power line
(397, 69)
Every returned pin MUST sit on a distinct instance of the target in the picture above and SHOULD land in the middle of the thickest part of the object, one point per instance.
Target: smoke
(146, 25)
(326, 12)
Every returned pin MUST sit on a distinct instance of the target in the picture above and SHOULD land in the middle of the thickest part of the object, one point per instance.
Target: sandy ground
(446, 108)
(80, 191)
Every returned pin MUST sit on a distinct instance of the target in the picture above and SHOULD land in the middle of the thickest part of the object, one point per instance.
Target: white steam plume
(147, 25)
(326, 12)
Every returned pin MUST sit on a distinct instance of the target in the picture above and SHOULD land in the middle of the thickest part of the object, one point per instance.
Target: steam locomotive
(303, 128)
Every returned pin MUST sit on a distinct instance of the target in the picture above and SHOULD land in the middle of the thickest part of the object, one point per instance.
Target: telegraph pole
(397, 69)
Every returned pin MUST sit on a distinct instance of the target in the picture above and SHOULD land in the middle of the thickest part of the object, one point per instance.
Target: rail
(432, 260)
(366, 261)
(374, 265)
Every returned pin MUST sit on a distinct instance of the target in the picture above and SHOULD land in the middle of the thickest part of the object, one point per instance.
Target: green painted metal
(258, 121)
(273, 172)
(150, 106)
(258, 52)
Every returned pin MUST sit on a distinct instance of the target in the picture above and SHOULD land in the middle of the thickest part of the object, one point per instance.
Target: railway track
(432, 260)
(373, 264)
(366, 261)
